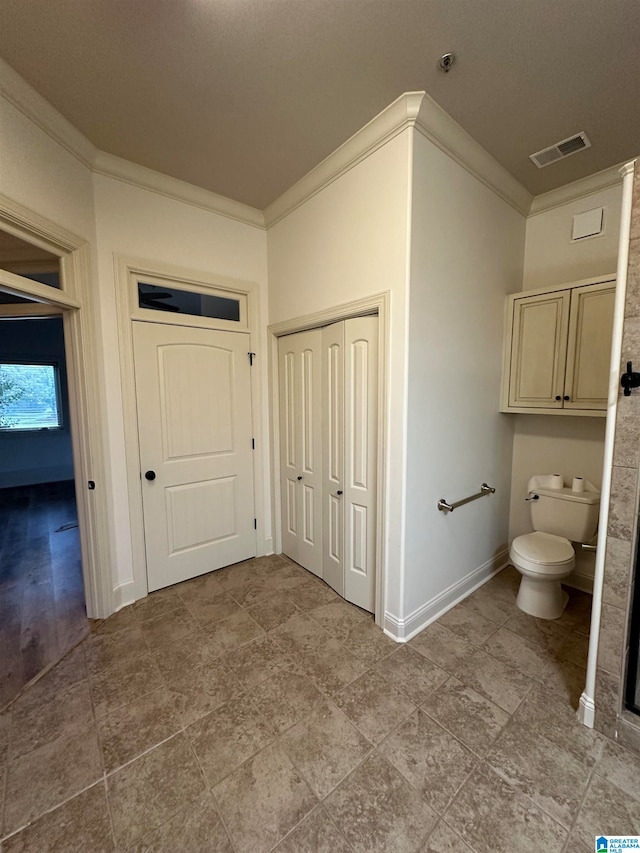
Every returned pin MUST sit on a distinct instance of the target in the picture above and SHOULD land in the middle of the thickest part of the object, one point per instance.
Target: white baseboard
(402, 630)
(123, 594)
(266, 547)
(586, 711)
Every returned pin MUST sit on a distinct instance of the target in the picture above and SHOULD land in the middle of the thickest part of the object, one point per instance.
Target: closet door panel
(361, 412)
(333, 455)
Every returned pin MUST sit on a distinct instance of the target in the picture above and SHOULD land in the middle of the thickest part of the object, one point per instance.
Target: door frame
(75, 300)
(377, 304)
(127, 271)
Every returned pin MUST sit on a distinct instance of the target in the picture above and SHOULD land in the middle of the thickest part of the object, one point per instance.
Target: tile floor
(254, 710)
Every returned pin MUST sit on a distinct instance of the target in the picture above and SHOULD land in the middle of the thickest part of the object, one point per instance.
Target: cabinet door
(589, 348)
(301, 448)
(538, 350)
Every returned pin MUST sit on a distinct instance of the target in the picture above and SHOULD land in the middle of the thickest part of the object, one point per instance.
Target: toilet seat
(542, 553)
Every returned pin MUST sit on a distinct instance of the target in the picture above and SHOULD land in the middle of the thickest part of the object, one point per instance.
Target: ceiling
(243, 97)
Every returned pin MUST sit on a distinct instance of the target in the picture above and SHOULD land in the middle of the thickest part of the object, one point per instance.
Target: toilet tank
(564, 512)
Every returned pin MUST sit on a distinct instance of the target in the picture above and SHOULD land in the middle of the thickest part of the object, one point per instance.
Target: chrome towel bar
(445, 506)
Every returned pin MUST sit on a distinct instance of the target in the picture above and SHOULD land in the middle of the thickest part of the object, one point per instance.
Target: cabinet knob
(558, 397)
(567, 397)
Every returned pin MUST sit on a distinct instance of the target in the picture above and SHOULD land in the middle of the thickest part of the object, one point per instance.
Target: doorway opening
(42, 596)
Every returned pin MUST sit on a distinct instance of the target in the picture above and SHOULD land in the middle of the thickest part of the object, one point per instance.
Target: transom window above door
(188, 303)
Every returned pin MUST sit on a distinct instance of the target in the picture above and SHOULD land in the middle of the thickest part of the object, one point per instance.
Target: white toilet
(560, 516)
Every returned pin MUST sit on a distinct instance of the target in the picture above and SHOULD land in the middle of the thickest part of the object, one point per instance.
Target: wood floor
(42, 605)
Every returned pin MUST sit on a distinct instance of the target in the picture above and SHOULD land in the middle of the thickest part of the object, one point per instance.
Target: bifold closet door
(301, 448)
(349, 427)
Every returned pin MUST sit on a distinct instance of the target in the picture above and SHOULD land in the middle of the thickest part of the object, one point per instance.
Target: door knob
(558, 397)
(150, 475)
(339, 492)
(299, 477)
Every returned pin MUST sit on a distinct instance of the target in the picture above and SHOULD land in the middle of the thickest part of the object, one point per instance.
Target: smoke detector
(565, 148)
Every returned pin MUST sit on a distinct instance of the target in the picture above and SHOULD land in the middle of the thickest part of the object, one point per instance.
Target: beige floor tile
(468, 624)
(196, 829)
(520, 653)
(284, 699)
(263, 800)
(430, 758)
(551, 717)
(5, 725)
(444, 840)
(37, 723)
(374, 706)
(620, 767)
(137, 727)
(330, 666)
(325, 747)
(377, 810)
(273, 610)
(502, 684)
(257, 660)
(311, 595)
(574, 648)
(179, 659)
(441, 646)
(46, 777)
(474, 720)
(204, 586)
(152, 789)
(200, 690)
(490, 815)
(368, 642)
(542, 770)
(124, 618)
(338, 617)
(157, 603)
(496, 608)
(104, 650)
(81, 824)
(233, 632)
(606, 810)
(169, 628)
(565, 680)
(316, 833)
(210, 608)
(546, 632)
(411, 674)
(227, 737)
(300, 634)
(122, 682)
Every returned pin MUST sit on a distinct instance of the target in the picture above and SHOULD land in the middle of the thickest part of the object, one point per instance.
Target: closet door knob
(558, 397)
(339, 492)
(299, 477)
(150, 475)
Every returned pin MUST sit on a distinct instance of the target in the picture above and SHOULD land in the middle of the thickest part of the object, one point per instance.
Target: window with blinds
(29, 397)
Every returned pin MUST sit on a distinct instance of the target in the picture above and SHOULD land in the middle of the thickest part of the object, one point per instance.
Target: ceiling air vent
(561, 150)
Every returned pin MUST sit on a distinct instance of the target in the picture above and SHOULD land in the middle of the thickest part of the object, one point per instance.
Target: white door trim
(127, 269)
(75, 300)
(377, 304)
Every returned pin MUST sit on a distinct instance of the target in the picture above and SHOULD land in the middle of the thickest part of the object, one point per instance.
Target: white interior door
(360, 459)
(194, 416)
(333, 456)
(301, 448)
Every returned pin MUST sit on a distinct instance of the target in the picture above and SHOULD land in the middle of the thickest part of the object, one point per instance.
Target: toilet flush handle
(533, 498)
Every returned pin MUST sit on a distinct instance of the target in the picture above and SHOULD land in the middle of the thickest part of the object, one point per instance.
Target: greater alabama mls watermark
(615, 843)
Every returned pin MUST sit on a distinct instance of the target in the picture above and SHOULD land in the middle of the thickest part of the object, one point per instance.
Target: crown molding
(398, 116)
(44, 115)
(413, 109)
(139, 176)
(436, 125)
(576, 190)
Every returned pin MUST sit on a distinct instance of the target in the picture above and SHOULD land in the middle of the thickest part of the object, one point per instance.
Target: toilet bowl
(559, 516)
(543, 560)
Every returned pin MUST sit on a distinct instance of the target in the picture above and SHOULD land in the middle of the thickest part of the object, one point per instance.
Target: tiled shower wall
(611, 718)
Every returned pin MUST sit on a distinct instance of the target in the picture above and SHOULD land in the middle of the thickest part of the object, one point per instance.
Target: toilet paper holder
(630, 380)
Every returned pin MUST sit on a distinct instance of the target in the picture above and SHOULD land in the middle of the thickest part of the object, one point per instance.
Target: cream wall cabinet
(557, 349)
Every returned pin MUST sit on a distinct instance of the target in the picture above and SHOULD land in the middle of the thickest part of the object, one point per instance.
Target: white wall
(467, 254)
(138, 223)
(349, 241)
(550, 256)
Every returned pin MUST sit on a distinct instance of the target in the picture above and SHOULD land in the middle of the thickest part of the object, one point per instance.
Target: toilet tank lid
(569, 495)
